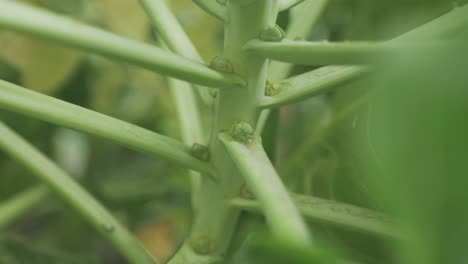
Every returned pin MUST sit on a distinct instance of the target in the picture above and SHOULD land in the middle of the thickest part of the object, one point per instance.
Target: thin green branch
(75, 195)
(187, 112)
(286, 4)
(327, 53)
(262, 179)
(262, 121)
(313, 83)
(213, 8)
(447, 26)
(20, 204)
(332, 212)
(302, 21)
(174, 36)
(46, 108)
(32, 21)
(189, 121)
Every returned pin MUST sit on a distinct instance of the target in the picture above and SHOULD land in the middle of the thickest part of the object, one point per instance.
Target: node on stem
(200, 152)
(242, 132)
(221, 64)
(272, 34)
(202, 245)
(272, 88)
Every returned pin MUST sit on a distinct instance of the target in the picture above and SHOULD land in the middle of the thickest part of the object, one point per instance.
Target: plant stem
(312, 83)
(27, 102)
(265, 184)
(174, 36)
(332, 212)
(189, 122)
(215, 221)
(302, 23)
(75, 195)
(326, 53)
(286, 4)
(447, 26)
(213, 8)
(42, 24)
(20, 204)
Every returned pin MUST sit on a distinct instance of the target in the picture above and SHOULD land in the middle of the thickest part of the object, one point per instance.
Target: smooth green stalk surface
(20, 204)
(286, 4)
(326, 53)
(174, 36)
(302, 21)
(27, 102)
(189, 122)
(48, 26)
(213, 8)
(75, 195)
(312, 83)
(332, 212)
(265, 184)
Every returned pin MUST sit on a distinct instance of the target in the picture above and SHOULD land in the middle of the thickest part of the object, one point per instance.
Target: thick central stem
(215, 221)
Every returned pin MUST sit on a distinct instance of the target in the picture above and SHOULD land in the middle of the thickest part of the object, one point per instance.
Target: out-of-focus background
(393, 142)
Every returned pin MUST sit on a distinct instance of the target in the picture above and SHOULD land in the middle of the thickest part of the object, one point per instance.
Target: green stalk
(45, 25)
(189, 122)
(187, 111)
(75, 195)
(286, 4)
(213, 8)
(215, 221)
(332, 212)
(174, 36)
(20, 204)
(302, 21)
(46, 108)
(326, 53)
(265, 184)
(312, 83)
(447, 26)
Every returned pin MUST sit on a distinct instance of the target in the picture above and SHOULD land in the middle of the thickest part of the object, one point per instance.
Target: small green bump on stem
(221, 64)
(202, 245)
(273, 34)
(272, 88)
(245, 192)
(109, 228)
(200, 152)
(214, 92)
(242, 132)
(221, 2)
